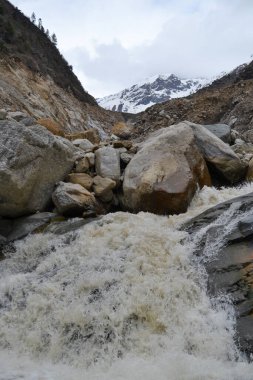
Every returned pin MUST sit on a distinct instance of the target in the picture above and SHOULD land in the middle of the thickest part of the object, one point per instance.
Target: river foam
(120, 298)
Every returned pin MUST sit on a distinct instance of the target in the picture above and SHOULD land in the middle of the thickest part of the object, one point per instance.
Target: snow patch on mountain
(150, 91)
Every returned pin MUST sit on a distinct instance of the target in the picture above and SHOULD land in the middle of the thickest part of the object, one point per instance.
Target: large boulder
(218, 154)
(83, 144)
(165, 173)
(32, 160)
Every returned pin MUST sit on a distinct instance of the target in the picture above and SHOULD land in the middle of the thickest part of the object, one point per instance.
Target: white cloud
(112, 44)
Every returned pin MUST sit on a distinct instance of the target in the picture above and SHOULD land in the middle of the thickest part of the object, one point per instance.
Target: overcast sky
(113, 44)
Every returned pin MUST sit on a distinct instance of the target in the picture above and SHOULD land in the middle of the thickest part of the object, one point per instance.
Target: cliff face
(35, 78)
(39, 96)
(228, 100)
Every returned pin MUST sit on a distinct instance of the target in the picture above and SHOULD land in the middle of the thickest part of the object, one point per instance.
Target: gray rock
(245, 333)
(239, 142)
(28, 121)
(232, 121)
(121, 150)
(91, 159)
(243, 229)
(108, 163)
(83, 144)
(244, 308)
(73, 199)
(218, 154)
(222, 131)
(25, 225)
(126, 157)
(17, 115)
(32, 160)
(3, 114)
(60, 228)
(114, 137)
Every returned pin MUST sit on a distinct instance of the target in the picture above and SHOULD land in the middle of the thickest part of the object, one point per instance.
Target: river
(121, 298)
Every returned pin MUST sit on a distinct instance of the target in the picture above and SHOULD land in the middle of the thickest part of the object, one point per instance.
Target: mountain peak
(150, 91)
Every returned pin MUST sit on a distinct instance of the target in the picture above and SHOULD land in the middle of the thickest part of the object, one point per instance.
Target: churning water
(120, 298)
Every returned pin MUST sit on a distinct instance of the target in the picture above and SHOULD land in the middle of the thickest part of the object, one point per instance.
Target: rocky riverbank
(57, 184)
(86, 174)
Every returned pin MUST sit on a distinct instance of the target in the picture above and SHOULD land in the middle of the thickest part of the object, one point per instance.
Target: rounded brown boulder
(165, 173)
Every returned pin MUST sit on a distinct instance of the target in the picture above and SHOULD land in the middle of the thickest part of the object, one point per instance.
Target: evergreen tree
(33, 18)
(47, 34)
(54, 39)
(40, 24)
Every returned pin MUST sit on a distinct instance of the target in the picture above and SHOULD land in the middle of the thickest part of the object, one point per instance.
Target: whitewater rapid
(120, 298)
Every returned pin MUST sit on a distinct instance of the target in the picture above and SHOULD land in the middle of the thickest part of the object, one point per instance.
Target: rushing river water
(121, 298)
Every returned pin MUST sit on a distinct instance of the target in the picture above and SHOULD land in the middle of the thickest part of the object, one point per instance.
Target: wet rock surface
(20, 227)
(230, 272)
(66, 226)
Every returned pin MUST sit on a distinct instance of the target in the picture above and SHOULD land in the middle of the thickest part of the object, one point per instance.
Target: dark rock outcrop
(18, 228)
(228, 233)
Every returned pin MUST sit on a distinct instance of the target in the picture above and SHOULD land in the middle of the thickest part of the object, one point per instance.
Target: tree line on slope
(52, 38)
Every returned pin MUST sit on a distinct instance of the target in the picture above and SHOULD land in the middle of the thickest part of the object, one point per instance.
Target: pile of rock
(93, 185)
(85, 177)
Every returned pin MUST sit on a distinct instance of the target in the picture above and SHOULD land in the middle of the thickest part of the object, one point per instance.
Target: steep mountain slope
(228, 99)
(35, 78)
(153, 90)
(23, 41)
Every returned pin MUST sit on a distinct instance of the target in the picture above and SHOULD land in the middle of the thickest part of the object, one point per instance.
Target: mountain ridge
(150, 91)
(228, 99)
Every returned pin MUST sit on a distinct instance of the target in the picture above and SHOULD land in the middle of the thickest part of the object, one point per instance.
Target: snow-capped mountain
(153, 90)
